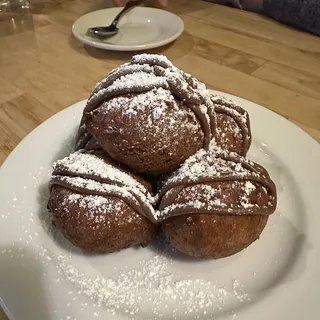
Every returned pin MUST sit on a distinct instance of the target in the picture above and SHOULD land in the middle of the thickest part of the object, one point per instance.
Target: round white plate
(42, 276)
(140, 29)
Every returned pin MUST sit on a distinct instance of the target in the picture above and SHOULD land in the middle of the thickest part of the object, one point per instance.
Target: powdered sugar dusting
(81, 163)
(220, 100)
(94, 176)
(245, 200)
(152, 110)
(143, 79)
(152, 59)
(152, 285)
(121, 71)
(151, 289)
(102, 204)
(219, 182)
(132, 82)
(205, 163)
(234, 126)
(96, 207)
(91, 185)
(155, 104)
(93, 188)
(156, 82)
(196, 84)
(154, 101)
(249, 187)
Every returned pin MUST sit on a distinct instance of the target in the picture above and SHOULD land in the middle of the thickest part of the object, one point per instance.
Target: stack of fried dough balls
(155, 147)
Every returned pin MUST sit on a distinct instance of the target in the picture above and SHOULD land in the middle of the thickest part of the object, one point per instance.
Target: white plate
(43, 277)
(140, 29)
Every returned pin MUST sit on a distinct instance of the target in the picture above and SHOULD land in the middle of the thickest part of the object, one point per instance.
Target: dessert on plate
(216, 204)
(152, 116)
(154, 146)
(99, 206)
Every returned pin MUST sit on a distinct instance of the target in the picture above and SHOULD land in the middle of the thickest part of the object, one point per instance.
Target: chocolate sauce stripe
(258, 174)
(82, 140)
(229, 104)
(245, 128)
(64, 172)
(182, 94)
(204, 124)
(135, 203)
(213, 122)
(100, 85)
(190, 209)
(247, 164)
(92, 144)
(118, 73)
(151, 61)
(187, 94)
(176, 88)
(104, 94)
(116, 69)
(169, 197)
(267, 183)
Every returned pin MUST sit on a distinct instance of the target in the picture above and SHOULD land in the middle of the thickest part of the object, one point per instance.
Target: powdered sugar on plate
(150, 289)
(153, 284)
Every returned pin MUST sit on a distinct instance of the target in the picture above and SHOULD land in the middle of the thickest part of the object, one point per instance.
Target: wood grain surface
(43, 69)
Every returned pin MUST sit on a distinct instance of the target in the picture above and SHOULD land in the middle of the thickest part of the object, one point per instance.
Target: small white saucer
(140, 29)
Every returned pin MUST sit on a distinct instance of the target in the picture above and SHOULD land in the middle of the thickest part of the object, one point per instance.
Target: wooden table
(43, 69)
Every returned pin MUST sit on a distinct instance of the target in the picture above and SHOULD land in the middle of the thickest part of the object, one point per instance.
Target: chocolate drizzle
(125, 83)
(150, 116)
(92, 173)
(146, 72)
(120, 72)
(84, 140)
(238, 114)
(215, 166)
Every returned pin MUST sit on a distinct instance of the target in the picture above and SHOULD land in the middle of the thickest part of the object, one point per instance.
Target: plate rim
(139, 47)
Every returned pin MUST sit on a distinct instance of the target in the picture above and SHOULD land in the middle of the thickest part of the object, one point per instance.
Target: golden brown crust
(228, 135)
(206, 235)
(217, 205)
(152, 149)
(98, 228)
